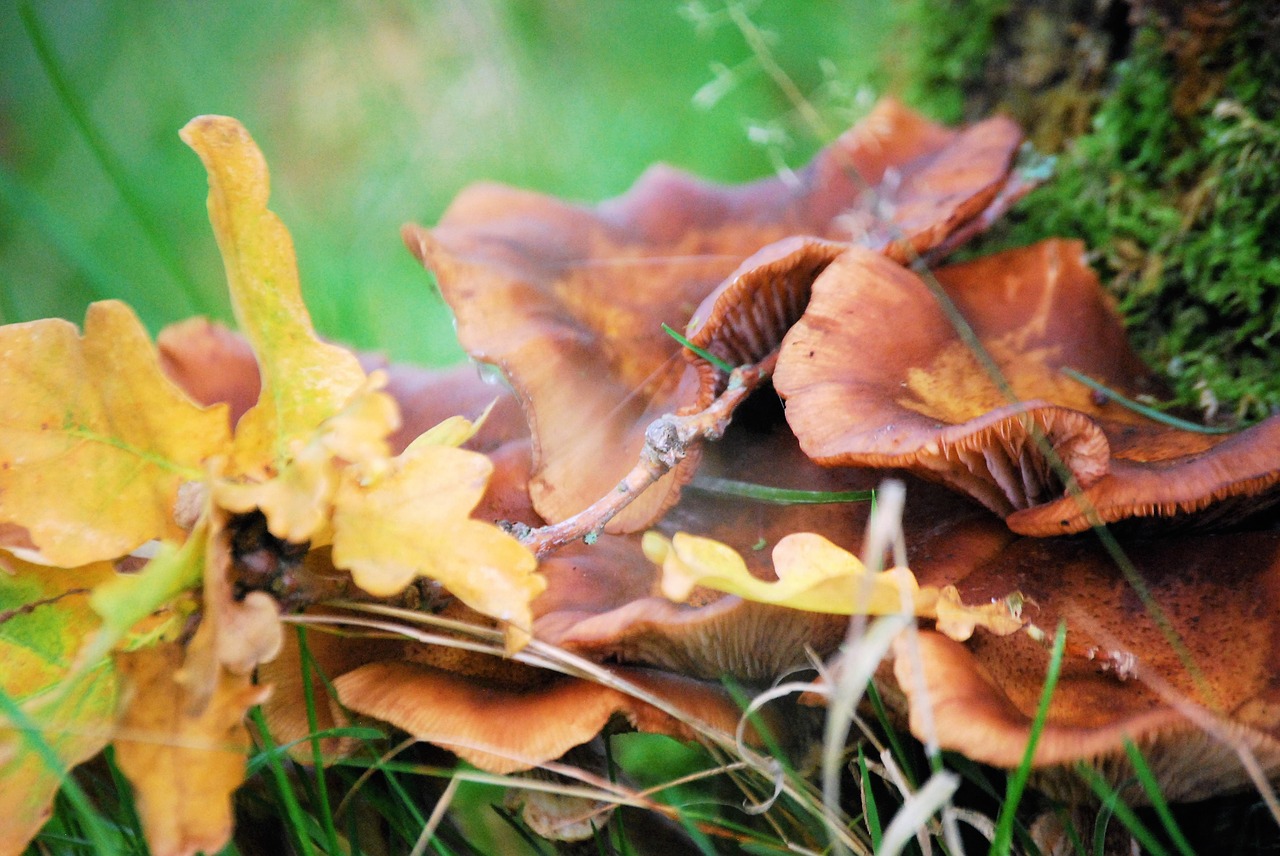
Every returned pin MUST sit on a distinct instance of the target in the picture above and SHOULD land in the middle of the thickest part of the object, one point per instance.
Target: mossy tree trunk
(1166, 120)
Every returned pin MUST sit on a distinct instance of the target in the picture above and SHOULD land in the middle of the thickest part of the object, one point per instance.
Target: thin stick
(666, 443)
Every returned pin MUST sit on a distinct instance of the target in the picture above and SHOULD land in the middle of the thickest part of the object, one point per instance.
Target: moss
(1184, 217)
(947, 49)
(1175, 187)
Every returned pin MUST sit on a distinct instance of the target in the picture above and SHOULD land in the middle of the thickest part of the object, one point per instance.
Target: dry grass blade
(913, 817)
(437, 815)
(542, 655)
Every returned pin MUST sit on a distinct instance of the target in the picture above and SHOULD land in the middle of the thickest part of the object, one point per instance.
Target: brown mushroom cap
(506, 729)
(876, 374)
(1122, 677)
(568, 301)
(211, 364)
(1235, 477)
(602, 601)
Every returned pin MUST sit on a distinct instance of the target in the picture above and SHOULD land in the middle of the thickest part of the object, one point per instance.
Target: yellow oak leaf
(298, 500)
(817, 576)
(53, 715)
(94, 439)
(183, 763)
(235, 633)
(304, 380)
(126, 601)
(412, 520)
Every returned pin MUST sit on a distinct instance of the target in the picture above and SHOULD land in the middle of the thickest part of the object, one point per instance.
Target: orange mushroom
(506, 729)
(568, 301)
(876, 374)
(603, 601)
(1187, 673)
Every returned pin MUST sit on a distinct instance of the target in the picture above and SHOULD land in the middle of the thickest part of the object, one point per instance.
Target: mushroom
(603, 601)
(504, 729)
(568, 301)
(1022, 446)
(1187, 672)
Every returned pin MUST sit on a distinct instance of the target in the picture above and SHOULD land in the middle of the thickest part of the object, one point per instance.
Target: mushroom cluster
(872, 359)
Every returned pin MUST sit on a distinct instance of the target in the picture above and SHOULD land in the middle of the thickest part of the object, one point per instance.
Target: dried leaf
(183, 765)
(304, 380)
(45, 616)
(412, 520)
(817, 576)
(94, 439)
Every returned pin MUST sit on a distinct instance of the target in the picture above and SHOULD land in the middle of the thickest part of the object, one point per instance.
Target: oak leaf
(817, 576)
(46, 615)
(297, 501)
(183, 764)
(94, 439)
(413, 520)
(304, 380)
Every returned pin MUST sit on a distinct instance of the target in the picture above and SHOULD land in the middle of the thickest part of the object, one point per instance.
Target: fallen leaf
(304, 380)
(44, 617)
(94, 439)
(817, 576)
(124, 600)
(183, 766)
(298, 500)
(412, 520)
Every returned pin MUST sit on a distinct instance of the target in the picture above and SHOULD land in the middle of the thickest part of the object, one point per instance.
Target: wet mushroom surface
(1184, 665)
(964, 382)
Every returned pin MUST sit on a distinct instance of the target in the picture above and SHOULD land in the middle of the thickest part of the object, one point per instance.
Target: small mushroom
(506, 729)
(877, 374)
(568, 301)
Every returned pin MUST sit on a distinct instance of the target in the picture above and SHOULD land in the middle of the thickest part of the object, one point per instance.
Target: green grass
(371, 116)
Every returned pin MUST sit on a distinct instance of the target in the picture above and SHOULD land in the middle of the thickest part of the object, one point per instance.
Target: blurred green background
(371, 115)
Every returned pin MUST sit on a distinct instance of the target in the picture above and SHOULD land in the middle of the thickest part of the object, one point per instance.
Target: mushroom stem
(666, 443)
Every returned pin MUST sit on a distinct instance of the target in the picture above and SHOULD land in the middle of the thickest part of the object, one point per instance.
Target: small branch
(667, 442)
(28, 608)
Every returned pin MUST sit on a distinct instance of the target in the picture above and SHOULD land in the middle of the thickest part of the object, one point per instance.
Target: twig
(666, 443)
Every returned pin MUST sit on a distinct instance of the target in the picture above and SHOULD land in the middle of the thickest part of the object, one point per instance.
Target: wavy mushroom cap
(568, 301)
(505, 729)
(877, 374)
(1124, 677)
(603, 601)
